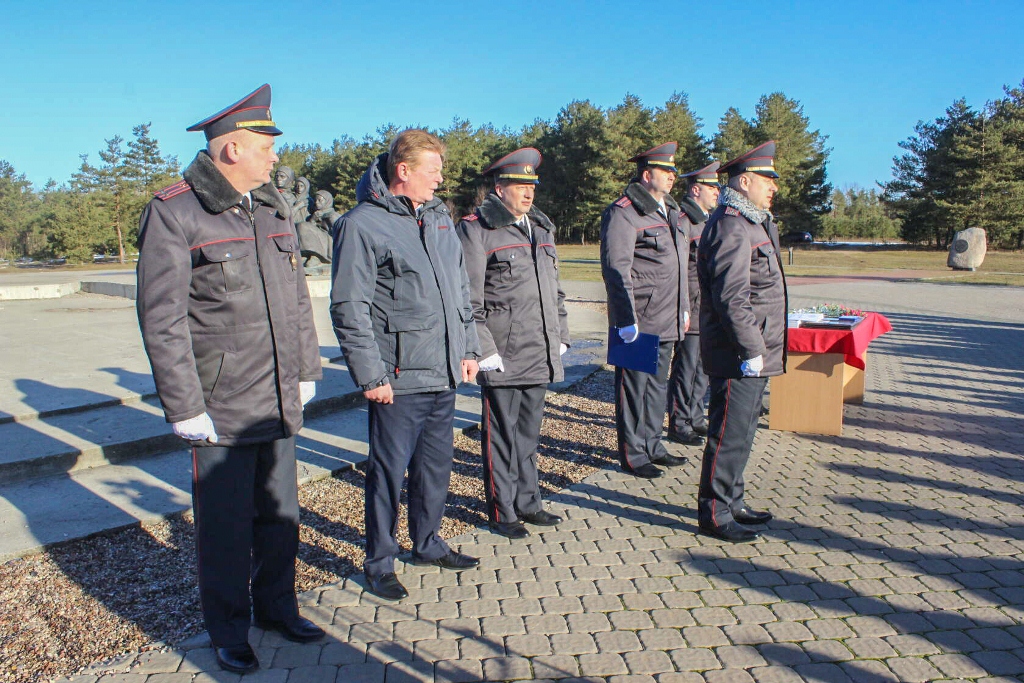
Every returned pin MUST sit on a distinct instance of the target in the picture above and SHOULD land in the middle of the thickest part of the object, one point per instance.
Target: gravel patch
(96, 598)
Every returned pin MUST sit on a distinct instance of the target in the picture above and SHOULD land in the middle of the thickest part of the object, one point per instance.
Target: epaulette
(729, 211)
(471, 217)
(172, 191)
(623, 201)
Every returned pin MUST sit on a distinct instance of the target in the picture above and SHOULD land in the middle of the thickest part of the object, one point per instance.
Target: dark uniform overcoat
(518, 302)
(224, 309)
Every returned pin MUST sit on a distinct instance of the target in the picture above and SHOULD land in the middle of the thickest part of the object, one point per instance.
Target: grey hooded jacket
(224, 309)
(400, 299)
(518, 302)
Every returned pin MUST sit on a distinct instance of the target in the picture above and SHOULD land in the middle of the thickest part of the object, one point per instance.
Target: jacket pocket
(418, 346)
(210, 369)
(510, 263)
(656, 238)
(227, 267)
(553, 255)
(767, 253)
(288, 248)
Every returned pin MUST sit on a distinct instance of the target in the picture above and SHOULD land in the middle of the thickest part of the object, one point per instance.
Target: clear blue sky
(78, 73)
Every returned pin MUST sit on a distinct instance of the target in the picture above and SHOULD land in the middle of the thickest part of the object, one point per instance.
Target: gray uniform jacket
(694, 219)
(224, 309)
(518, 302)
(743, 294)
(644, 258)
(400, 295)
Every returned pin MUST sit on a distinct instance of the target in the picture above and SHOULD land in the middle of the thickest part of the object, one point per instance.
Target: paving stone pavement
(896, 555)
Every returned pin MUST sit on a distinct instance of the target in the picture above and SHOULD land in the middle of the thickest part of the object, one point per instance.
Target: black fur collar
(644, 202)
(217, 195)
(692, 211)
(494, 214)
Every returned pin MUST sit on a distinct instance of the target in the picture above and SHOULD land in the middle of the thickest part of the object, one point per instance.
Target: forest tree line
(965, 168)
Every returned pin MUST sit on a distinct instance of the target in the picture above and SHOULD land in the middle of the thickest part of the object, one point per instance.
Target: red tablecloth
(851, 343)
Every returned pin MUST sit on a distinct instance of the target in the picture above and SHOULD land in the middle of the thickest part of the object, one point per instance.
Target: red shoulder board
(623, 202)
(470, 217)
(729, 211)
(172, 191)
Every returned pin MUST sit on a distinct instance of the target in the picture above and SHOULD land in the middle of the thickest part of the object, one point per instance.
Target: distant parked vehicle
(796, 237)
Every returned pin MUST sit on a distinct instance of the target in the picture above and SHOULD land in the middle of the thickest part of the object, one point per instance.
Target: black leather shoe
(513, 530)
(297, 630)
(701, 429)
(239, 659)
(542, 518)
(453, 560)
(646, 471)
(734, 532)
(386, 586)
(686, 438)
(747, 516)
(669, 460)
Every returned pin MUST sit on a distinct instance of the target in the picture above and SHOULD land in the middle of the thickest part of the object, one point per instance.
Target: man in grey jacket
(519, 309)
(742, 335)
(227, 325)
(643, 261)
(688, 383)
(401, 309)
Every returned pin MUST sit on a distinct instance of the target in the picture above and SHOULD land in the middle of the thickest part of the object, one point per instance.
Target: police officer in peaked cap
(742, 336)
(228, 328)
(687, 384)
(519, 309)
(644, 258)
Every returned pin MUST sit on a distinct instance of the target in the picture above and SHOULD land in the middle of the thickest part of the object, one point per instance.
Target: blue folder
(642, 354)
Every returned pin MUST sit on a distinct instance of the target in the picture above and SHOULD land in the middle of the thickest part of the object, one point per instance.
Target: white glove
(686, 321)
(629, 334)
(196, 428)
(492, 362)
(752, 367)
(562, 348)
(307, 390)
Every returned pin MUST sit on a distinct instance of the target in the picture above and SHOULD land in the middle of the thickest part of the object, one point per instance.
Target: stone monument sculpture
(313, 219)
(284, 181)
(300, 205)
(967, 250)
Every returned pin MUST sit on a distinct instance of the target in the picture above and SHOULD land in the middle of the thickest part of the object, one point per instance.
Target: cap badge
(527, 169)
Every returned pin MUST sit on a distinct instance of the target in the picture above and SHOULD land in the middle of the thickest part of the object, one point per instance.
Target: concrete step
(41, 511)
(111, 431)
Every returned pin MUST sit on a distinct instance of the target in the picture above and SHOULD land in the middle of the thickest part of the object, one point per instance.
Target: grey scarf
(736, 200)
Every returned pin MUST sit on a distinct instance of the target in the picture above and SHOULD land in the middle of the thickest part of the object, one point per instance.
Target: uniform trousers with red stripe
(734, 410)
(510, 431)
(640, 400)
(686, 387)
(247, 533)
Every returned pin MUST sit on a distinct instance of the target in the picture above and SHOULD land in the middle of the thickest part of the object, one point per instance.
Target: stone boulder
(967, 250)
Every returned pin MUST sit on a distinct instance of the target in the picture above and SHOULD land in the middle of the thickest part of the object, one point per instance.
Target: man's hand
(629, 334)
(198, 428)
(686, 321)
(381, 394)
(307, 390)
(752, 367)
(469, 369)
(492, 362)
(562, 348)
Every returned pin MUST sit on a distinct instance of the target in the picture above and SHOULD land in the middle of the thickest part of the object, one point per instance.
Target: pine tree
(676, 121)
(17, 205)
(800, 159)
(735, 136)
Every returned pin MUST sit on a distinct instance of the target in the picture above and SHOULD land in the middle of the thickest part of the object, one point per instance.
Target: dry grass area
(92, 599)
(1000, 267)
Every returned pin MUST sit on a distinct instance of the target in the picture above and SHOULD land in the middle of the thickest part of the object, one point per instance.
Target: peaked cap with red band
(662, 156)
(252, 112)
(705, 176)
(519, 167)
(760, 160)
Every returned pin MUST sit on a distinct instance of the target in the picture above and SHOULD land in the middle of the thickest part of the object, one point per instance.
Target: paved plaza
(896, 553)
